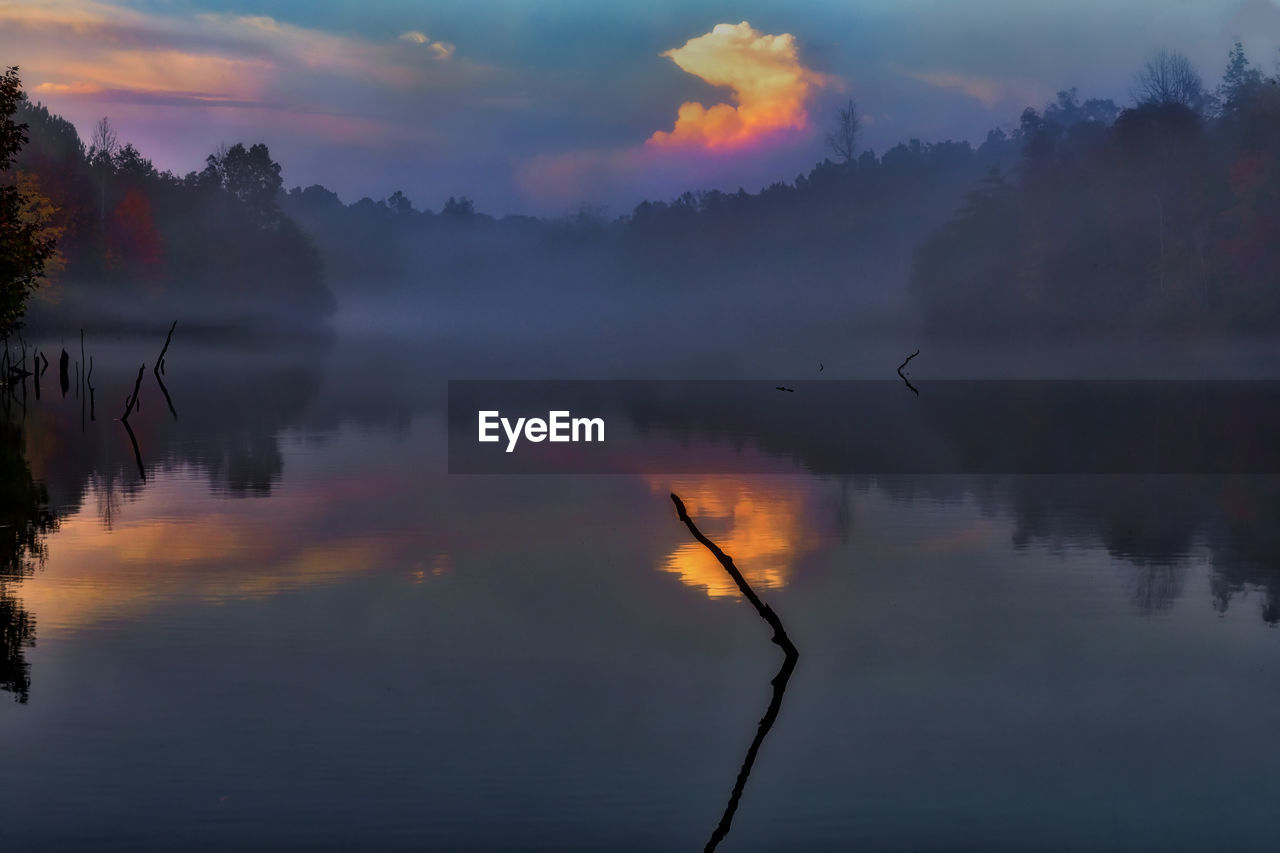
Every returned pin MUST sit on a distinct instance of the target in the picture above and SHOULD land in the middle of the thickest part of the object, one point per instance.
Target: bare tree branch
(843, 138)
(1169, 77)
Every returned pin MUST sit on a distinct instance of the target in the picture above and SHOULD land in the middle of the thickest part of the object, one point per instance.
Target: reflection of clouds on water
(176, 541)
(762, 523)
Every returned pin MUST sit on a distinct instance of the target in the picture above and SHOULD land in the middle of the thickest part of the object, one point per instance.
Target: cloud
(83, 47)
(168, 97)
(570, 177)
(988, 91)
(67, 89)
(720, 146)
(439, 49)
(769, 87)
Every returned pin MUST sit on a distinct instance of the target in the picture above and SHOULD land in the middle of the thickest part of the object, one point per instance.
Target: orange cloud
(91, 49)
(67, 89)
(769, 88)
(439, 49)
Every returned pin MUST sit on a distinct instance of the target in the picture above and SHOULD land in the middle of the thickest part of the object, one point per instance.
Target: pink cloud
(769, 88)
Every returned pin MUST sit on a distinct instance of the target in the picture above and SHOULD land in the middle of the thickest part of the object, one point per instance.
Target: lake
(283, 624)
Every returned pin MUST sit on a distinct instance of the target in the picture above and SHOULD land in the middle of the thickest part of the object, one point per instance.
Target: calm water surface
(299, 631)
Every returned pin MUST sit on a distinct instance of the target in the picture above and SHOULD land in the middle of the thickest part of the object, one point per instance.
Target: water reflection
(243, 406)
(1155, 525)
(173, 541)
(790, 656)
(766, 528)
(25, 521)
(559, 635)
(242, 398)
(1158, 526)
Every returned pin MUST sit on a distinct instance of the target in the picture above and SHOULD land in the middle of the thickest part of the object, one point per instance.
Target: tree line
(129, 240)
(1084, 218)
(1164, 216)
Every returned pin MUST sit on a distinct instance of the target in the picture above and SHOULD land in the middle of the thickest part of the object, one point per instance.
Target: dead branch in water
(780, 637)
(132, 399)
(904, 376)
(137, 454)
(88, 381)
(158, 370)
(779, 681)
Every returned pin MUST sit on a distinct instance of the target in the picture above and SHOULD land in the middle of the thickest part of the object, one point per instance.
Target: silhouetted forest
(1086, 218)
(1165, 217)
(211, 245)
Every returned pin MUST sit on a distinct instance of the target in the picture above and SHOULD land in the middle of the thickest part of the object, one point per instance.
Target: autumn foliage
(132, 239)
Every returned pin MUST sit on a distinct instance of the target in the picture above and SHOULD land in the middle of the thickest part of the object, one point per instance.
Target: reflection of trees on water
(239, 408)
(237, 402)
(25, 519)
(1159, 525)
(1156, 526)
(1155, 586)
(1245, 543)
(1151, 524)
(108, 498)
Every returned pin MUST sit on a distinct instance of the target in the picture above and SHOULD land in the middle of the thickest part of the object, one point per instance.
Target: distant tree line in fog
(1084, 218)
(1166, 215)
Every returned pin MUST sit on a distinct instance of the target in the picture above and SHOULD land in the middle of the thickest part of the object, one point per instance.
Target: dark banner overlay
(864, 427)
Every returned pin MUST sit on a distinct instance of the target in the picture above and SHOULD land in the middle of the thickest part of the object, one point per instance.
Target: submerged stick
(780, 637)
(159, 365)
(137, 454)
(158, 370)
(779, 681)
(904, 376)
(132, 399)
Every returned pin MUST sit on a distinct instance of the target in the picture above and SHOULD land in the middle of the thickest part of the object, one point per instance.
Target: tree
(23, 248)
(253, 177)
(1239, 82)
(102, 150)
(39, 210)
(458, 208)
(843, 138)
(1067, 111)
(132, 239)
(131, 167)
(1169, 78)
(399, 202)
(104, 140)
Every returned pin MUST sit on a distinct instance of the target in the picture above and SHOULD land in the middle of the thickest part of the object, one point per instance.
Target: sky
(543, 106)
